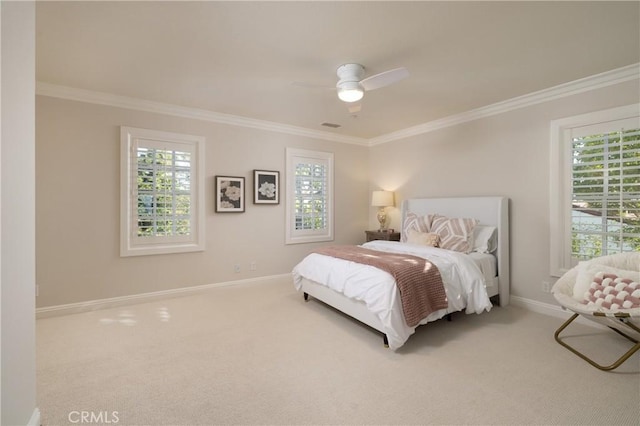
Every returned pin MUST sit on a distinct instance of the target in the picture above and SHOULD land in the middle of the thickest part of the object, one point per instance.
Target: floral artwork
(266, 187)
(229, 194)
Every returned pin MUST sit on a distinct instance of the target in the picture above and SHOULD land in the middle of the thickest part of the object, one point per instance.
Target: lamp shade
(382, 198)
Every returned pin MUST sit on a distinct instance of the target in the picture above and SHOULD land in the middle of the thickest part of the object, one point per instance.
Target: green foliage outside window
(606, 194)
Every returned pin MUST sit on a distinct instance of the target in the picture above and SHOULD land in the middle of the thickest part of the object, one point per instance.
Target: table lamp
(382, 199)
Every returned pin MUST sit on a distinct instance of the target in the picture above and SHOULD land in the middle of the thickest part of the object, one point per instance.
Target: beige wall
(78, 178)
(77, 152)
(17, 213)
(506, 155)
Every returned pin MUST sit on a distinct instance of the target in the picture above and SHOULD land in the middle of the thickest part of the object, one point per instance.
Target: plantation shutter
(162, 189)
(311, 195)
(605, 177)
(161, 192)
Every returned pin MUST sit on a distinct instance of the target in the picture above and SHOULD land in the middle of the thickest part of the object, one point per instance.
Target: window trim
(130, 244)
(292, 236)
(560, 180)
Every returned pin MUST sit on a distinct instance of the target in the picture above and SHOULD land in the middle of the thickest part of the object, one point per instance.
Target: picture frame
(266, 187)
(230, 194)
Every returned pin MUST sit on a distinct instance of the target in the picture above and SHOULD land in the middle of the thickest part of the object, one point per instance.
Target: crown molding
(108, 99)
(609, 78)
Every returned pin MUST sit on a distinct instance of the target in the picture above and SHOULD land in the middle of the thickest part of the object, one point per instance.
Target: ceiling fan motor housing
(350, 72)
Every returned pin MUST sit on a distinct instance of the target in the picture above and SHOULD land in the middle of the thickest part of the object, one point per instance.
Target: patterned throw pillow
(455, 233)
(415, 222)
(612, 293)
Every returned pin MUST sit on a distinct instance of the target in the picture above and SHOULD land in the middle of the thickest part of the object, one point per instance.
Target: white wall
(505, 155)
(77, 181)
(17, 215)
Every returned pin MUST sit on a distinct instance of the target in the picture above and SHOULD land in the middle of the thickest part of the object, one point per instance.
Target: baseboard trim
(113, 302)
(540, 307)
(35, 418)
(550, 310)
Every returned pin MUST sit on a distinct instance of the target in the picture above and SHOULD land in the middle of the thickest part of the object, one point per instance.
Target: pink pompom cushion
(612, 293)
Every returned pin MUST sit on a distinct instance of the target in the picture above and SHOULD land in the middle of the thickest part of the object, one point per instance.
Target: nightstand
(382, 235)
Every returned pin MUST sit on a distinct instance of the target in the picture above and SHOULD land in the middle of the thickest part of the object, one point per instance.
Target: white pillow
(423, 238)
(587, 271)
(485, 239)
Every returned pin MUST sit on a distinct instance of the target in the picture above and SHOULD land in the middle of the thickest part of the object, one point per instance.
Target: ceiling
(276, 61)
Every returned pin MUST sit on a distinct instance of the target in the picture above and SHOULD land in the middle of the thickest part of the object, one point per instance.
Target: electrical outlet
(546, 287)
(253, 266)
(236, 268)
(37, 290)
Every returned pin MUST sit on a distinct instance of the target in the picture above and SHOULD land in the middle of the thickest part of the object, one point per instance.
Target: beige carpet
(258, 354)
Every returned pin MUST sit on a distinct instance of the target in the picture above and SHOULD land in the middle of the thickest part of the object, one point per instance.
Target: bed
(370, 295)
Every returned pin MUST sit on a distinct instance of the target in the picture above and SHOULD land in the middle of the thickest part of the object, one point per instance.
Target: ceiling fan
(351, 84)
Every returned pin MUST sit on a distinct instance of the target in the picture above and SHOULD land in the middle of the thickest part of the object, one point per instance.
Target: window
(162, 192)
(309, 196)
(595, 193)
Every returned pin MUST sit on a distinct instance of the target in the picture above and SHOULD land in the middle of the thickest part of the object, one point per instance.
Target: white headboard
(488, 210)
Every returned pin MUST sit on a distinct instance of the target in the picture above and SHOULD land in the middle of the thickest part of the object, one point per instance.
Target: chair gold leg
(613, 366)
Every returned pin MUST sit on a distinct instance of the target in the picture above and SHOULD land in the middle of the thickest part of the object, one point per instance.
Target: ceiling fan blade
(384, 78)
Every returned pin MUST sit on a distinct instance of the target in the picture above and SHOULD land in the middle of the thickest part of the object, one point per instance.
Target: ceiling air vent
(332, 125)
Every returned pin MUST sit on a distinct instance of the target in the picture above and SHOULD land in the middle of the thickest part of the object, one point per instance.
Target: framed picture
(266, 187)
(229, 194)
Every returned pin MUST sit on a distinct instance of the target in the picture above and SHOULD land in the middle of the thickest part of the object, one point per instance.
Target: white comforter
(463, 282)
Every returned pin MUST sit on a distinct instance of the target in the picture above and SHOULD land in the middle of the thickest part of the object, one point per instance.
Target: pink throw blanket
(419, 281)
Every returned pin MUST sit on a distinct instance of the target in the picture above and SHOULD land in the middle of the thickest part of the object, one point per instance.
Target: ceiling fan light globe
(350, 95)
(350, 91)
